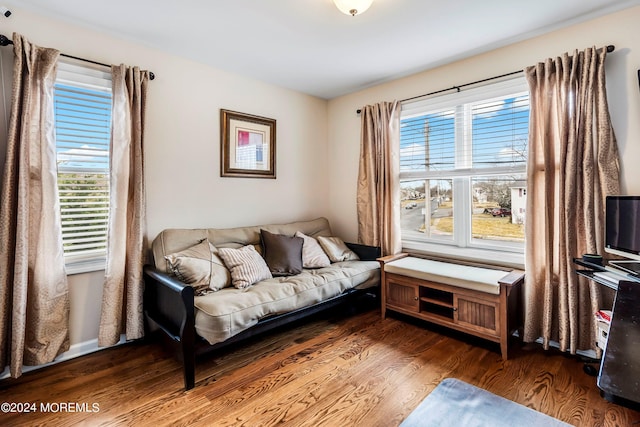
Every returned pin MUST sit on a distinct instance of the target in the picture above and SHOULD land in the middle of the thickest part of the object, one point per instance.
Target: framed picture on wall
(248, 145)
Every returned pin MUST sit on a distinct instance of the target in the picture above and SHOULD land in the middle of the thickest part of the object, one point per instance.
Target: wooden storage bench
(479, 301)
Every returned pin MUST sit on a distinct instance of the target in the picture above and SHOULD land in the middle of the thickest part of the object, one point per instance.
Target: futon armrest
(365, 252)
(169, 303)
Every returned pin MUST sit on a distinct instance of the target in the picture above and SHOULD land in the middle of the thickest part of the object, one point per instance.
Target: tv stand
(619, 374)
(629, 267)
(591, 266)
(619, 377)
(608, 276)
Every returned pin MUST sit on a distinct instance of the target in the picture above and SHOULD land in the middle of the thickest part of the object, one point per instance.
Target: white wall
(183, 151)
(620, 29)
(182, 147)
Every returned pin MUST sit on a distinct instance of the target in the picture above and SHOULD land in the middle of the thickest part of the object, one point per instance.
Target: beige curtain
(572, 166)
(126, 247)
(34, 299)
(378, 196)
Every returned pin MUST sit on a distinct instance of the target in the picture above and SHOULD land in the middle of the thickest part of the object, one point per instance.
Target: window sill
(89, 266)
(485, 256)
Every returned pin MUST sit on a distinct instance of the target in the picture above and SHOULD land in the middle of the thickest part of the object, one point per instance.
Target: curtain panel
(378, 194)
(34, 298)
(126, 244)
(573, 165)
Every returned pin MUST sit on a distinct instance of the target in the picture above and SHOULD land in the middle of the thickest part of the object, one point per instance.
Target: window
(463, 170)
(82, 99)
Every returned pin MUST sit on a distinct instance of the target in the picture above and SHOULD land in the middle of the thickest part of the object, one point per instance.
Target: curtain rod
(610, 48)
(5, 41)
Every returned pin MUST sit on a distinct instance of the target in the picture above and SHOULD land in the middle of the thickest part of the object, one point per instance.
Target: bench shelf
(490, 316)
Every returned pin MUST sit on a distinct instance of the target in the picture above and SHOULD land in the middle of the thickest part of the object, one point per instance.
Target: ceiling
(311, 47)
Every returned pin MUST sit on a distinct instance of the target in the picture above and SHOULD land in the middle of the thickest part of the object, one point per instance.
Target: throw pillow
(246, 266)
(200, 267)
(283, 254)
(312, 254)
(336, 250)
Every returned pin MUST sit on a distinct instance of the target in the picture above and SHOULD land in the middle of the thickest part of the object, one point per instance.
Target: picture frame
(248, 145)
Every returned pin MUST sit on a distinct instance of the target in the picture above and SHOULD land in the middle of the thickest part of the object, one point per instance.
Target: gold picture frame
(248, 145)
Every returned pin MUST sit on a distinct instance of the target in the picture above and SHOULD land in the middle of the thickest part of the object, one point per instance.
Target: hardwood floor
(347, 371)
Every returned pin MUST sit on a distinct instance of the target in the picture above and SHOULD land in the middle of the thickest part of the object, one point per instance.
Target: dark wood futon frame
(169, 309)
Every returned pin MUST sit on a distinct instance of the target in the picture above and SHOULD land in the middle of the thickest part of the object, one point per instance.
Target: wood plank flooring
(333, 371)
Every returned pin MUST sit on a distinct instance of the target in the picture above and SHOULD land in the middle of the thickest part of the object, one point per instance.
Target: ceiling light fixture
(352, 7)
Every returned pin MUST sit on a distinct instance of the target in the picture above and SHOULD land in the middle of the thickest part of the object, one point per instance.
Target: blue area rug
(456, 403)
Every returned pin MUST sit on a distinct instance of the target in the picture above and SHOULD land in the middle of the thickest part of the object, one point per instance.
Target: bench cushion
(463, 276)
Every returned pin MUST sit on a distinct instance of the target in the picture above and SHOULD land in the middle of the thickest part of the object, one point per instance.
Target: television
(622, 231)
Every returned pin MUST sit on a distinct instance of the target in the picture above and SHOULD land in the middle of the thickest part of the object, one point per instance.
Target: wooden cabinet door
(476, 314)
(402, 294)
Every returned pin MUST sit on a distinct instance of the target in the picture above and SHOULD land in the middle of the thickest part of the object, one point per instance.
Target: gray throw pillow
(283, 254)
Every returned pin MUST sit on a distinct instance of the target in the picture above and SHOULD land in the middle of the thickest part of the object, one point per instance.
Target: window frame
(462, 244)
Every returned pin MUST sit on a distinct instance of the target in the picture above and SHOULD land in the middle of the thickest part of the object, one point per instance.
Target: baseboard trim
(76, 350)
(590, 353)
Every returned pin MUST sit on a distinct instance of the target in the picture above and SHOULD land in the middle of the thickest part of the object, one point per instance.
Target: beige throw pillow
(312, 254)
(336, 250)
(200, 267)
(246, 266)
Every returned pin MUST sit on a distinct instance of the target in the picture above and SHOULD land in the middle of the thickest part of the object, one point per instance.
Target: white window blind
(462, 133)
(82, 98)
(500, 134)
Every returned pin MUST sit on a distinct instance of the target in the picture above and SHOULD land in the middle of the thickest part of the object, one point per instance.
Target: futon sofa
(208, 288)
